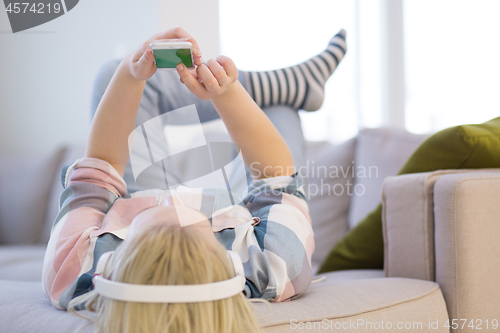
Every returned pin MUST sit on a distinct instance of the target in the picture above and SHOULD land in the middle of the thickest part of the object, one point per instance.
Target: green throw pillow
(460, 147)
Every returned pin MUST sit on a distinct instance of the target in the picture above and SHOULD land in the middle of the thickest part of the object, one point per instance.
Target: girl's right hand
(141, 62)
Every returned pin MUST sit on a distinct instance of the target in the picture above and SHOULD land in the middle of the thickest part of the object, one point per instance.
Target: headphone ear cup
(105, 260)
(235, 259)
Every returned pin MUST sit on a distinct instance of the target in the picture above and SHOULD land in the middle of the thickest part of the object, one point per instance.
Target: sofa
(440, 237)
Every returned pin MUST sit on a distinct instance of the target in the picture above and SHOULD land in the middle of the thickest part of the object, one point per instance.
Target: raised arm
(264, 150)
(116, 114)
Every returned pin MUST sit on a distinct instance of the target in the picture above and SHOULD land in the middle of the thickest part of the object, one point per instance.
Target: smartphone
(169, 54)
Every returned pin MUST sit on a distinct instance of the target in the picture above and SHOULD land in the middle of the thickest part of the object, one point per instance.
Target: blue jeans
(163, 93)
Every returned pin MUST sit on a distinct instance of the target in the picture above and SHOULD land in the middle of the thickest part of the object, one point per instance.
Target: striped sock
(300, 86)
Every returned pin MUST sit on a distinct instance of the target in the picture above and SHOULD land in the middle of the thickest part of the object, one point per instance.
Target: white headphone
(169, 293)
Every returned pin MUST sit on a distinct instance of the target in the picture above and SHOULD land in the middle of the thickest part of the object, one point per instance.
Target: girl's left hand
(210, 80)
(141, 62)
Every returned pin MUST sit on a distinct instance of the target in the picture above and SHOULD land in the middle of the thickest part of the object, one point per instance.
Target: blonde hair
(169, 255)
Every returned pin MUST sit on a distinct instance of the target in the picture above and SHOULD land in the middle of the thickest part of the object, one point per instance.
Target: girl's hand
(210, 80)
(141, 62)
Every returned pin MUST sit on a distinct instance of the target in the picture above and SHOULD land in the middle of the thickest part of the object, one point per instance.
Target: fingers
(193, 72)
(229, 67)
(172, 33)
(191, 82)
(211, 79)
(197, 59)
(145, 62)
(148, 58)
(218, 72)
(181, 33)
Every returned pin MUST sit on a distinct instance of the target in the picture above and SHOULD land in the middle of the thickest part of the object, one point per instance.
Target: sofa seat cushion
(358, 304)
(21, 262)
(24, 309)
(341, 297)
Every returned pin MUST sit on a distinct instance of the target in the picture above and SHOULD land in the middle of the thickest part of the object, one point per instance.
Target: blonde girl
(166, 238)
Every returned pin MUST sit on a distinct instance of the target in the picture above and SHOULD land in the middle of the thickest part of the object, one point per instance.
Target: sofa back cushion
(327, 185)
(25, 186)
(380, 153)
(71, 154)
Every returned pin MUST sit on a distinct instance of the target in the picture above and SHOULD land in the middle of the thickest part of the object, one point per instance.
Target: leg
(282, 92)
(287, 121)
(285, 118)
(301, 86)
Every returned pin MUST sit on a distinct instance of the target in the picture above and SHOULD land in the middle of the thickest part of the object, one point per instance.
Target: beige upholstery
(444, 226)
(353, 304)
(467, 219)
(408, 220)
(362, 298)
(344, 296)
(409, 226)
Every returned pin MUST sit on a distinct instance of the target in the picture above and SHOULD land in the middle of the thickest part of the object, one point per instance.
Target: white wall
(200, 18)
(47, 72)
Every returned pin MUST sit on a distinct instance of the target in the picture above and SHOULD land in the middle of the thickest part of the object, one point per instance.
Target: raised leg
(301, 86)
(163, 93)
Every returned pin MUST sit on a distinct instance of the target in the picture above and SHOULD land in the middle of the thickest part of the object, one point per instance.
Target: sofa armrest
(467, 234)
(408, 224)
(445, 226)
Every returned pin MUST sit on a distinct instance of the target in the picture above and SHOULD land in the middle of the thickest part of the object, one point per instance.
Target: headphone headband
(169, 293)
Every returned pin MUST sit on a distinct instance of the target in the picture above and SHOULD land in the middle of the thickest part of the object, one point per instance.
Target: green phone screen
(169, 58)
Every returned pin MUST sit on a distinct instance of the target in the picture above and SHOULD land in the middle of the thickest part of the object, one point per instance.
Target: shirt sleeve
(91, 186)
(277, 259)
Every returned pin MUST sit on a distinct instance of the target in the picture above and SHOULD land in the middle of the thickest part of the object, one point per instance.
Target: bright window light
(266, 35)
(451, 58)
(452, 63)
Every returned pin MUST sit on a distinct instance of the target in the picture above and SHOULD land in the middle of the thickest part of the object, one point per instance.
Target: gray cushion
(341, 297)
(21, 263)
(71, 154)
(383, 150)
(327, 187)
(25, 185)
